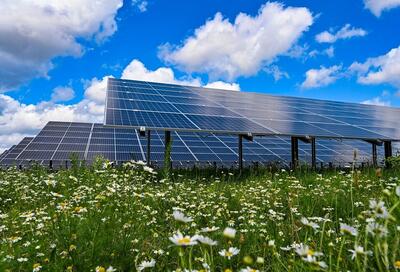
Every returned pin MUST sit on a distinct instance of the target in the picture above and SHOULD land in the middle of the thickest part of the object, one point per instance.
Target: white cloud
(321, 77)
(61, 94)
(376, 101)
(223, 85)
(137, 70)
(229, 50)
(21, 119)
(8, 140)
(379, 70)
(34, 32)
(297, 51)
(18, 120)
(140, 4)
(276, 73)
(378, 6)
(330, 51)
(346, 32)
(96, 90)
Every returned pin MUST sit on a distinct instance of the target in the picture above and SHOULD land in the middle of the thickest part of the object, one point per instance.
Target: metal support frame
(313, 153)
(240, 152)
(307, 140)
(148, 153)
(388, 151)
(295, 152)
(374, 155)
(374, 145)
(167, 152)
(248, 137)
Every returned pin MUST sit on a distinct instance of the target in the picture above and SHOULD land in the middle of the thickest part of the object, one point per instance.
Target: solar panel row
(9, 157)
(57, 141)
(184, 108)
(217, 114)
(4, 153)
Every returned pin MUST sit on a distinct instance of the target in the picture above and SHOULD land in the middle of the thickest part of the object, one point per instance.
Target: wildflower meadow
(133, 218)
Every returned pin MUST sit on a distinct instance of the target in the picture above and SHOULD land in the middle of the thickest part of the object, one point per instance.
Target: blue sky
(55, 57)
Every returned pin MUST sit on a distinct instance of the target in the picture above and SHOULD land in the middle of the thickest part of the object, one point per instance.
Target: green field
(130, 218)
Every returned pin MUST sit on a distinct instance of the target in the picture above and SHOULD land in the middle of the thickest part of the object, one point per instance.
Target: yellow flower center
(228, 254)
(36, 265)
(310, 252)
(397, 264)
(184, 241)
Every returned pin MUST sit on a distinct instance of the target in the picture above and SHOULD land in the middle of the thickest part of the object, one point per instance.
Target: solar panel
(3, 153)
(88, 140)
(9, 158)
(222, 150)
(58, 141)
(158, 106)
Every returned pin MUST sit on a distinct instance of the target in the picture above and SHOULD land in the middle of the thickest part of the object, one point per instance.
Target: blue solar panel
(202, 109)
(8, 158)
(188, 149)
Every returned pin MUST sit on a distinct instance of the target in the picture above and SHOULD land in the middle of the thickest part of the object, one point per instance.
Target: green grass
(85, 219)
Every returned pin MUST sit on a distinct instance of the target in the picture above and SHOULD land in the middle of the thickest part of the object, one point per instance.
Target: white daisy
(149, 169)
(248, 269)
(359, 250)
(229, 232)
(348, 229)
(379, 209)
(205, 240)
(377, 229)
(180, 216)
(232, 251)
(146, 264)
(308, 223)
(304, 251)
(180, 240)
(207, 229)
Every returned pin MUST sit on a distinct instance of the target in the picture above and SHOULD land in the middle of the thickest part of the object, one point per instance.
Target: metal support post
(388, 151)
(295, 152)
(374, 155)
(240, 153)
(148, 158)
(313, 154)
(167, 153)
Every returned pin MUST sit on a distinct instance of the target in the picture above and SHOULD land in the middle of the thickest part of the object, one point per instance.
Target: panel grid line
(88, 142)
(59, 143)
(174, 106)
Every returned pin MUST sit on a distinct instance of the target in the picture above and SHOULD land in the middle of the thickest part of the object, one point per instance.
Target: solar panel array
(3, 153)
(57, 141)
(9, 156)
(204, 125)
(158, 106)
